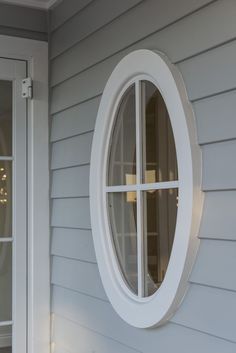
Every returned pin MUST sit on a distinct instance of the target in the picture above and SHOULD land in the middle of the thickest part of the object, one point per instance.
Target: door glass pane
(5, 281)
(123, 214)
(159, 154)
(5, 118)
(160, 211)
(5, 199)
(5, 344)
(122, 158)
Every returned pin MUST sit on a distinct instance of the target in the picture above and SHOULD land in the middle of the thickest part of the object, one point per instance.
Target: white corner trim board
(158, 308)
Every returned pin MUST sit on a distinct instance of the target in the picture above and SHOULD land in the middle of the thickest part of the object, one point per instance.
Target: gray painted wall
(23, 22)
(88, 38)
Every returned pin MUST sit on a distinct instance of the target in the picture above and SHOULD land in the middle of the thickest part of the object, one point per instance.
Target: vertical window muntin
(139, 187)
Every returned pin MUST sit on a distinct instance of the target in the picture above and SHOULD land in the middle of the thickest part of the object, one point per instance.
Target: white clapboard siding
(71, 213)
(215, 117)
(64, 11)
(77, 275)
(74, 121)
(216, 264)
(210, 310)
(203, 25)
(73, 244)
(67, 334)
(70, 182)
(218, 218)
(211, 72)
(219, 169)
(87, 21)
(101, 318)
(72, 151)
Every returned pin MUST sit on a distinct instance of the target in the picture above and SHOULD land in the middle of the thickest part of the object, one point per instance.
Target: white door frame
(36, 55)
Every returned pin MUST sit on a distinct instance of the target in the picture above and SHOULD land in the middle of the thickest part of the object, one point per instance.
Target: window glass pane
(159, 154)
(5, 344)
(123, 213)
(122, 158)
(5, 281)
(5, 199)
(5, 118)
(160, 211)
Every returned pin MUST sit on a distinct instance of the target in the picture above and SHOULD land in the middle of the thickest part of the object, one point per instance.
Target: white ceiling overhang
(40, 4)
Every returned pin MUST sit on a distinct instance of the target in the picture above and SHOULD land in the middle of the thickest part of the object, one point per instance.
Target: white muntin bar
(6, 323)
(6, 158)
(6, 240)
(138, 112)
(144, 187)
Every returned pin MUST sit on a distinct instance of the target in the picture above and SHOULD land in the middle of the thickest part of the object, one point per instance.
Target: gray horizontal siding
(219, 169)
(72, 151)
(203, 76)
(210, 310)
(67, 334)
(71, 213)
(73, 244)
(218, 218)
(87, 53)
(80, 27)
(77, 275)
(64, 11)
(23, 22)
(70, 182)
(189, 33)
(206, 74)
(216, 118)
(75, 120)
(101, 318)
(220, 270)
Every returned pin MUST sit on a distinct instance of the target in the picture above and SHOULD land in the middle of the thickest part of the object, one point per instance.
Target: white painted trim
(36, 55)
(158, 308)
(5, 323)
(143, 187)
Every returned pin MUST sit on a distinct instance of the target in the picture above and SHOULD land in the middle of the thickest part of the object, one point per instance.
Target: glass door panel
(13, 231)
(5, 199)
(6, 276)
(5, 118)
(5, 281)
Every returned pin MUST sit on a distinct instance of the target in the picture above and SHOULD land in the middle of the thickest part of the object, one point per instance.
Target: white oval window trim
(158, 308)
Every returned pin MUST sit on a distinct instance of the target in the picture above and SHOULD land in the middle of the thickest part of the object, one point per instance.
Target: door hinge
(27, 88)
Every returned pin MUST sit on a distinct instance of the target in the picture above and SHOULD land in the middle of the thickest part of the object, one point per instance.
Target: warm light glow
(130, 180)
(150, 177)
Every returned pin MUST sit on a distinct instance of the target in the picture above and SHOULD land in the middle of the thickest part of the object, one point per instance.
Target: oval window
(145, 189)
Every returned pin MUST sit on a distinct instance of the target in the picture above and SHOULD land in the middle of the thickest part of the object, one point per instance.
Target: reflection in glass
(6, 281)
(5, 199)
(5, 118)
(123, 214)
(122, 159)
(5, 345)
(159, 154)
(160, 212)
